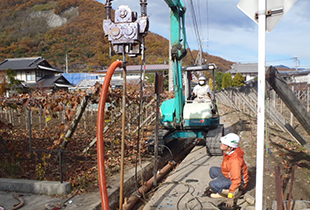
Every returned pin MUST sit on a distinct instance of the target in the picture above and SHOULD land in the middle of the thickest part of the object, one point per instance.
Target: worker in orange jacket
(232, 176)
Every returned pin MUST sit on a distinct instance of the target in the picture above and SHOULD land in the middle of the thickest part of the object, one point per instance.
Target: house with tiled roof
(30, 70)
(53, 82)
(248, 70)
(35, 72)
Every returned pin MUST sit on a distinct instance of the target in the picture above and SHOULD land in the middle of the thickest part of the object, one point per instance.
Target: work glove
(230, 202)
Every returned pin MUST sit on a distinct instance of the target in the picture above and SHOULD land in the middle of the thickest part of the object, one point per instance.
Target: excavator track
(213, 141)
(161, 142)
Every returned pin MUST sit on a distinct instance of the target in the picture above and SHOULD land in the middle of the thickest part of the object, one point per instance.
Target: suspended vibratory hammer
(127, 31)
(125, 35)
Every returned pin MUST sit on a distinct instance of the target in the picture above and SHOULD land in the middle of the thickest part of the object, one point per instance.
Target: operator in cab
(229, 180)
(202, 91)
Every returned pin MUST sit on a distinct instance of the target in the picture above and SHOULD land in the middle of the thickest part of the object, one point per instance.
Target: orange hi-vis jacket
(234, 168)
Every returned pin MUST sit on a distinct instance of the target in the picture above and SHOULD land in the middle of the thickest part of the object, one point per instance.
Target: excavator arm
(178, 51)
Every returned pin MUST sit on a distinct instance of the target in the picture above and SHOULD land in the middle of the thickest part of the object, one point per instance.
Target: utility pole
(297, 63)
(67, 69)
(199, 56)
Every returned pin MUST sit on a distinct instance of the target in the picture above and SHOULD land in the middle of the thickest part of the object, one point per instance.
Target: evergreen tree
(218, 80)
(227, 80)
(13, 83)
(238, 80)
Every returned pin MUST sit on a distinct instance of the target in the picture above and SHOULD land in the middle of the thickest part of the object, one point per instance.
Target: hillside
(52, 29)
(221, 63)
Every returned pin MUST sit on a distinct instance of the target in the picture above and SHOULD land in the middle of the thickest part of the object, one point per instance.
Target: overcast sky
(227, 32)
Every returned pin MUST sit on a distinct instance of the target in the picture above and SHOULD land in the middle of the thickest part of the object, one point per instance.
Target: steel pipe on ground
(149, 184)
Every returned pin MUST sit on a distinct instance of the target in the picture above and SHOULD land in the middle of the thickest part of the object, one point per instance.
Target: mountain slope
(54, 29)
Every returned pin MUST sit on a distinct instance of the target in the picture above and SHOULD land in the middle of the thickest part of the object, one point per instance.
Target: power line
(282, 59)
(195, 24)
(207, 9)
(196, 29)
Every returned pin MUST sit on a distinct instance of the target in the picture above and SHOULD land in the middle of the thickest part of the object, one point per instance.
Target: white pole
(67, 68)
(308, 99)
(261, 103)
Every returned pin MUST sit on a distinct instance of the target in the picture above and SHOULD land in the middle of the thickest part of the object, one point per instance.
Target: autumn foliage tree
(3, 83)
(211, 83)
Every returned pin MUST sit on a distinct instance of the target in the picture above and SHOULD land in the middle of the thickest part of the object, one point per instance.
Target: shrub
(227, 80)
(238, 80)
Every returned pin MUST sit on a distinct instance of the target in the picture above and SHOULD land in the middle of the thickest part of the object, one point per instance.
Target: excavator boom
(178, 51)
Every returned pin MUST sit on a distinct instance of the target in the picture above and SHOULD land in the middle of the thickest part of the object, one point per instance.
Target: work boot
(218, 195)
(225, 192)
(208, 191)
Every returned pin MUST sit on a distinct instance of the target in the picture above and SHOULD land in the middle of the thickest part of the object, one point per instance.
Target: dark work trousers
(219, 181)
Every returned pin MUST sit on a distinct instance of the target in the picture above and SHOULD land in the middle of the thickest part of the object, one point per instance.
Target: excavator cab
(200, 111)
(199, 120)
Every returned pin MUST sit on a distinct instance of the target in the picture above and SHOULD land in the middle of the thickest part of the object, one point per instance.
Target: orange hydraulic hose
(100, 145)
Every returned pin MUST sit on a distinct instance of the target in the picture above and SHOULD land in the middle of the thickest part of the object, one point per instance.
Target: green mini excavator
(180, 117)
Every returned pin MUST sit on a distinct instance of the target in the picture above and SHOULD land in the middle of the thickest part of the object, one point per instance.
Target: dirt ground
(280, 150)
(78, 167)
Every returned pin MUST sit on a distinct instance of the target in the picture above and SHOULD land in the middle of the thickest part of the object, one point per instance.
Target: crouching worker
(232, 176)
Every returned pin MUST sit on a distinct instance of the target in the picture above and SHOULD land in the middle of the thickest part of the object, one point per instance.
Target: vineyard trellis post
(308, 99)
(30, 133)
(40, 118)
(12, 116)
(114, 117)
(85, 119)
(291, 114)
(18, 114)
(281, 107)
(60, 165)
(63, 113)
(6, 113)
(75, 121)
(26, 117)
(46, 120)
(274, 98)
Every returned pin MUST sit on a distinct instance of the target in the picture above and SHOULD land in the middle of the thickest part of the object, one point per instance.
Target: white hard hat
(231, 140)
(202, 78)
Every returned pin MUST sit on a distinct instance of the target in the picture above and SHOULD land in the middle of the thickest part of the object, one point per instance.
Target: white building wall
(300, 79)
(27, 76)
(248, 76)
(21, 75)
